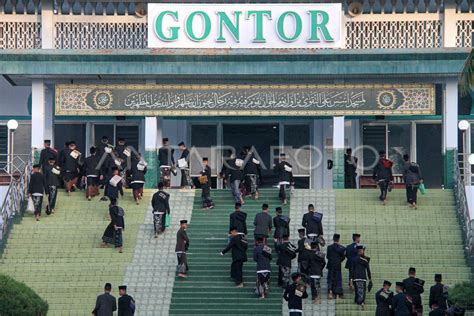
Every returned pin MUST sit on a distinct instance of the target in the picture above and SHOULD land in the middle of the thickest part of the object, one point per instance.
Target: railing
(16, 168)
(463, 207)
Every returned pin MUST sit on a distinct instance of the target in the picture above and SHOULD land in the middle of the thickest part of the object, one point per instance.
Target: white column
(49, 114)
(338, 132)
(38, 113)
(450, 115)
(449, 24)
(151, 133)
(47, 25)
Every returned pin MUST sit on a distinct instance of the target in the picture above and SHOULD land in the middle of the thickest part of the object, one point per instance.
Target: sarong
(182, 263)
(360, 287)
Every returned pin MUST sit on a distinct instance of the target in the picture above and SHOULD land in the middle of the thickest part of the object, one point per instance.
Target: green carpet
(209, 289)
(398, 237)
(60, 256)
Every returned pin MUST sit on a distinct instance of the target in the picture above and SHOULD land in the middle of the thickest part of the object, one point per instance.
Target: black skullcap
(92, 150)
(387, 283)
(302, 230)
(438, 277)
(412, 270)
(359, 247)
(47, 141)
(399, 284)
(264, 206)
(123, 287)
(282, 155)
(382, 152)
(278, 210)
(310, 206)
(121, 139)
(336, 237)
(104, 138)
(205, 159)
(52, 158)
(161, 185)
(36, 166)
(354, 236)
(183, 221)
(285, 236)
(237, 205)
(72, 143)
(295, 276)
(108, 286)
(114, 168)
(260, 239)
(165, 139)
(181, 144)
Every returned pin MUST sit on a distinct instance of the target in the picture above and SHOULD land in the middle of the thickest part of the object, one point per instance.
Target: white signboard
(244, 25)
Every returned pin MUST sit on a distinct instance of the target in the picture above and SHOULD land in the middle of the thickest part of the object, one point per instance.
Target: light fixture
(12, 125)
(471, 159)
(463, 125)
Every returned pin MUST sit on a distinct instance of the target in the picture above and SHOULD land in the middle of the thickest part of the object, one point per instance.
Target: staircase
(60, 256)
(209, 289)
(398, 237)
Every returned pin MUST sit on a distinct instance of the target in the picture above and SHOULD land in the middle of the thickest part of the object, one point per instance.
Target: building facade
(82, 70)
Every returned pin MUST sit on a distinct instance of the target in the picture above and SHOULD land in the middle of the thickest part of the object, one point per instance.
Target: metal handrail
(467, 222)
(15, 199)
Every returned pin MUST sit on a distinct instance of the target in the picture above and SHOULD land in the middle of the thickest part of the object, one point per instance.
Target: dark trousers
(165, 176)
(52, 194)
(315, 284)
(38, 203)
(383, 185)
(282, 193)
(335, 281)
(350, 181)
(185, 178)
(236, 271)
(412, 191)
(295, 314)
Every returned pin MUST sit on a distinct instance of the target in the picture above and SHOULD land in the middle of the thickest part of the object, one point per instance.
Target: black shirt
(89, 167)
(165, 156)
(160, 202)
(286, 253)
(316, 262)
(239, 221)
(294, 301)
(125, 304)
(312, 225)
(45, 155)
(37, 183)
(336, 254)
(360, 269)
(282, 226)
(283, 175)
(232, 171)
(439, 295)
(239, 247)
(384, 302)
(50, 177)
(412, 289)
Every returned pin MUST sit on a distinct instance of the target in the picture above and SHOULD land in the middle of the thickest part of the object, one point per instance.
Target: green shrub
(18, 299)
(462, 294)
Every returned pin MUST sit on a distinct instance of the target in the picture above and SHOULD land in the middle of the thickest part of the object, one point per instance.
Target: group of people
(107, 166)
(383, 176)
(106, 303)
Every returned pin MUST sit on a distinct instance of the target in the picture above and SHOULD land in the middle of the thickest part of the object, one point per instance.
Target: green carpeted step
(209, 289)
(398, 237)
(60, 256)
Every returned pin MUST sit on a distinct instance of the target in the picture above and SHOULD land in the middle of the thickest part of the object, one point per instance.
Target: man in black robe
(205, 181)
(439, 293)
(166, 160)
(235, 176)
(238, 219)
(382, 174)
(302, 262)
(251, 172)
(294, 295)
(262, 223)
(126, 303)
(286, 252)
(350, 168)
(351, 253)
(70, 166)
(383, 298)
(36, 190)
(183, 164)
(412, 178)
(120, 151)
(182, 246)
(399, 302)
(360, 276)
(161, 207)
(113, 232)
(316, 264)
(413, 289)
(281, 224)
(114, 185)
(46, 153)
(313, 222)
(262, 256)
(239, 245)
(336, 254)
(104, 143)
(91, 171)
(52, 177)
(285, 177)
(138, 170)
